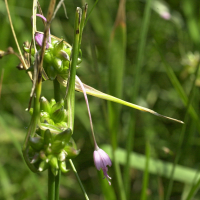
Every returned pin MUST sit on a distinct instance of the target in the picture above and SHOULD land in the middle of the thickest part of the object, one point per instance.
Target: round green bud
(45, 105)
(36, 143)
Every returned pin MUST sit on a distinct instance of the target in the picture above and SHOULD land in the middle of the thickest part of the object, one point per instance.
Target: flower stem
(51, 185)
(75, 51)
(57, 185)
(86, 100)
(79, 180)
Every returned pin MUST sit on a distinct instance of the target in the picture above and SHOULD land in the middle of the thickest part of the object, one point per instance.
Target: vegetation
(144, 52)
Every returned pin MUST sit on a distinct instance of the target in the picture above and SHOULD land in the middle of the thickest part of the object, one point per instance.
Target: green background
(168, 44)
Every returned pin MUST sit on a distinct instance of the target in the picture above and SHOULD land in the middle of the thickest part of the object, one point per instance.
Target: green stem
(57, 185)
(57, 95)
(34, 120)
(79, 180)
(75, 52)
(146, 173)
(51, 185)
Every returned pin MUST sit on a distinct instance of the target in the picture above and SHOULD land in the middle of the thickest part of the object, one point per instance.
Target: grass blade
(116, 63)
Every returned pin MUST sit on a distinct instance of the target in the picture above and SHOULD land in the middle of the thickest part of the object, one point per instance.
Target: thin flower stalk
(101, 158)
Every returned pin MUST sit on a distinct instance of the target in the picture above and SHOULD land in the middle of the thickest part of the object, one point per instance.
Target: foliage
(167, 72)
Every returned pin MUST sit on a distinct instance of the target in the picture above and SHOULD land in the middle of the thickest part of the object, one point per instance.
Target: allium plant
(48, 143)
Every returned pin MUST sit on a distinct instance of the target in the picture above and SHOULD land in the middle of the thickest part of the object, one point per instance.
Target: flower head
(101, 160)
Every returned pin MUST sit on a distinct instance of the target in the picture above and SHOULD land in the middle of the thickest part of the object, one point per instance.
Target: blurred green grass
(167, 42)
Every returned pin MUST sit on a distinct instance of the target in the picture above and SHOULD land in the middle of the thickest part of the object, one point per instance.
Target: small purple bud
(39, 39)
(39, 36)
(101, 160)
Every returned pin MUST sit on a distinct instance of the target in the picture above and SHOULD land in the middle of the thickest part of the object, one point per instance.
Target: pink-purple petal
(101, 160)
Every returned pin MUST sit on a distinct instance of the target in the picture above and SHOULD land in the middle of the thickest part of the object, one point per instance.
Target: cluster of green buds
(56, 57)
(52, 143)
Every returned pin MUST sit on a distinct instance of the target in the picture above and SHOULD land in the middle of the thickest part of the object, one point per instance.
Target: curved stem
(88, 108)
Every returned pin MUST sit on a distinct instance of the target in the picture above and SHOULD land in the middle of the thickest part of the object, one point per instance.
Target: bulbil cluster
(56, 57)
(52, 144)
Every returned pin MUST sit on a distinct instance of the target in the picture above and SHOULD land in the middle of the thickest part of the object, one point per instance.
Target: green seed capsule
(47, 137)
(79, 61)
(57, 146)
(68, 51)
(58, 47)
(54, 162)
(51, 72)
(27, 49)
(43, 166)
(61, 156)
(45, 105)
(60, 140)
(62, 125)
(30, 111)
(64, 136)
(47, 121)
(54, 171)
(35, 158)
(53, 129)
(58, 115)
(52, 102)
(48, 56)
(43, 155)
(36, 143)
(57, 106)
(62, 166)
(44, 114)
(71, 149)
(71, 152)
(57, 64)
(64, 56)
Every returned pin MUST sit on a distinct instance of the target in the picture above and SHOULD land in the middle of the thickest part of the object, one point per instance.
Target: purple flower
(39, 36)
(39, 39)
(101, 160)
